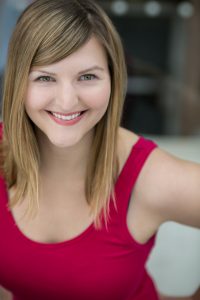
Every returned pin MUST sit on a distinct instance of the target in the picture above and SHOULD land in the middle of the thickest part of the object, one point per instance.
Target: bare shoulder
(126, 140)
(169, 188)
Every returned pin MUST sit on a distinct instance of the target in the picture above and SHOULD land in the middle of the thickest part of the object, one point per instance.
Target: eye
(45, 78)
(87, 77)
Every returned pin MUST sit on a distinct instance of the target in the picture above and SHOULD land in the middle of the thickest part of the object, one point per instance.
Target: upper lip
(68, 114)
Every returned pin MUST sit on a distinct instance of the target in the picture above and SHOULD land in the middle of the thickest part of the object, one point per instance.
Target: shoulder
(168, 187)
(126, 138)
(126, 141)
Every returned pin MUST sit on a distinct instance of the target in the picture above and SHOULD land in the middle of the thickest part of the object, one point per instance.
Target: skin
(69, 86)
(171, 185)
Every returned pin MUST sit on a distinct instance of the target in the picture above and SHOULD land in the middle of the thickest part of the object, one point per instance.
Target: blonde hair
(46, 32)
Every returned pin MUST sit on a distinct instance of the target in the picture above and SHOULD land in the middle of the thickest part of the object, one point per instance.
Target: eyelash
(89, 75)
(50, 79)
(41, 78)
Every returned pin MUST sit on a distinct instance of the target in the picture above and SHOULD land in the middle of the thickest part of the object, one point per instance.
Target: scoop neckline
(85, 233)
(20, 234)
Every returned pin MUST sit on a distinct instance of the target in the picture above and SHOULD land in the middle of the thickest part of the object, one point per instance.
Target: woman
(85, 197)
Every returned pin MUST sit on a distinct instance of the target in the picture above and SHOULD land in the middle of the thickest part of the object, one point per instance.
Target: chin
(63, 142)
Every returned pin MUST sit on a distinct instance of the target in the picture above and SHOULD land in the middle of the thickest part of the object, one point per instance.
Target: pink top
(95, 265)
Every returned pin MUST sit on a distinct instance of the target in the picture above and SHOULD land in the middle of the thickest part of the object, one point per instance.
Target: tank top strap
(129, 174)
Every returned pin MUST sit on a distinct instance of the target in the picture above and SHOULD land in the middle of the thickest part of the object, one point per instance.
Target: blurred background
(162, 46)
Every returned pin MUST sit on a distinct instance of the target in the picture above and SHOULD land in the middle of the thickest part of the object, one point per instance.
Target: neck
(63, 170)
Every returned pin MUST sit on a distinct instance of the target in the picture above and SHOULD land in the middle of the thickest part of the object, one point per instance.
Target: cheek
(100, 98)
(36, 99)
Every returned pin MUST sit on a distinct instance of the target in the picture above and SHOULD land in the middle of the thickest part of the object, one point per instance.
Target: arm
(164, 297)
(172, 189)
(4, 294)
(196, 296)
(168, 189)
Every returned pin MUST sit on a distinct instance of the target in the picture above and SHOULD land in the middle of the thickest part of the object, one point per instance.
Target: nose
(67, 97)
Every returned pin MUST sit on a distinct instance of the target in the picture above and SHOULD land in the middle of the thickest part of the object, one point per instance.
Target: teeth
(66, 118)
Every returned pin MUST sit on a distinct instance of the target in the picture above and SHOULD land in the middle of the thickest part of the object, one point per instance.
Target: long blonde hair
(46, 32)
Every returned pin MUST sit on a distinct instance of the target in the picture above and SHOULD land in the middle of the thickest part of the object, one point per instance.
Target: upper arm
(4, 294)
(172, 188)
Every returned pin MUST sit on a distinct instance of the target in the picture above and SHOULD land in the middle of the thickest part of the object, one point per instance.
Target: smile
(66, 118)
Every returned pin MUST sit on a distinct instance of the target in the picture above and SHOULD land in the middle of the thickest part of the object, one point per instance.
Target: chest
(78, 264)
(95, 265)
(63, 223)
(54, 225)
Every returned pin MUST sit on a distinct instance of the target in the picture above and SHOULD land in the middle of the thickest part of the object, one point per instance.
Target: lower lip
(66, 122)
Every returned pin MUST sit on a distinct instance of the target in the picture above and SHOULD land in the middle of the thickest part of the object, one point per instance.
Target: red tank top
(108, 264)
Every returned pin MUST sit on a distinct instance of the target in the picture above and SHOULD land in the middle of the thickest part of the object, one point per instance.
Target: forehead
(89, 54)
(92, 49)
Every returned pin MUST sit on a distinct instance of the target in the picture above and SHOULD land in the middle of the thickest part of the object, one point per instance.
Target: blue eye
(87, 77)
(44, 78)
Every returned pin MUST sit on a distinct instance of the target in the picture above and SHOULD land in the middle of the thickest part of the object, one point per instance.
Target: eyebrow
(92, 69)
(43, 71)
(81, 72)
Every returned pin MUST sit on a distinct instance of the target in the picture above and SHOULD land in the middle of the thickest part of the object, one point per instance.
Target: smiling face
(65, 100)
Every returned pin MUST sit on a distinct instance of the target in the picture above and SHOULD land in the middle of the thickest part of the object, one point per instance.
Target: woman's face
(65, 100)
